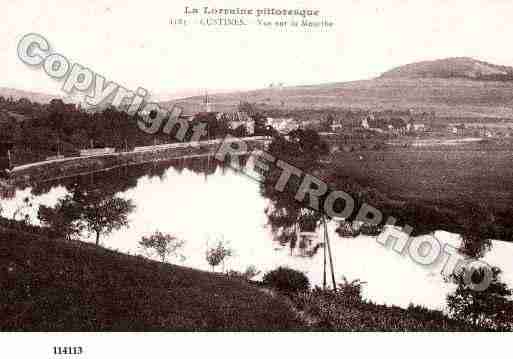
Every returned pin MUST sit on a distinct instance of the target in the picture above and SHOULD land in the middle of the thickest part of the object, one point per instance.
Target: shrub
(490, 308)
(218, 254)
(350, 292)
(287, 280)
(346, 229)
(345, 310)
(250, 272)
(369, 229)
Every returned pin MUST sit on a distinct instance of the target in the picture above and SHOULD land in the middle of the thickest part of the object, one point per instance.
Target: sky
(133, 44)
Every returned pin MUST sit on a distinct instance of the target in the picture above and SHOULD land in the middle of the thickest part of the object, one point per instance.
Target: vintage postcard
(259, 166)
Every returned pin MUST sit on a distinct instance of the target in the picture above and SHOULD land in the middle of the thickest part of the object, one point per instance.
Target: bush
(490, 308)
(250, 272)
(345, 310)
(351, 292)
(368, 229)
(345, 229)
(287, 280)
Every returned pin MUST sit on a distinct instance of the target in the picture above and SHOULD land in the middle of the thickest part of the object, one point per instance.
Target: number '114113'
(67, 350)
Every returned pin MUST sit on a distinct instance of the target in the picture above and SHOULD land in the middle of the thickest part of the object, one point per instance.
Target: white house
(419, 127)
(283, 125)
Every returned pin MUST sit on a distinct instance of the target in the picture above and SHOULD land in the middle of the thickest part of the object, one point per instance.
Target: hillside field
(54, 285)
(458, 98)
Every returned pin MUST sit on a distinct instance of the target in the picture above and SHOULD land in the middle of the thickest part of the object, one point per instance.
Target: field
(453, 98)
(453, 184)
(437, 175)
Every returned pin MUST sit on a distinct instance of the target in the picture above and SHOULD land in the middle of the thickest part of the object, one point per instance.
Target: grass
(53, 285)
(462, 189)
(436, 174)
(336, 312)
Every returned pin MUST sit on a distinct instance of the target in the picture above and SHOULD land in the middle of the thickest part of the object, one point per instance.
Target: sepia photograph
(313, 168)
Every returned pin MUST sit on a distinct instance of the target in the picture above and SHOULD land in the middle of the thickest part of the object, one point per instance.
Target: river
(201, 203)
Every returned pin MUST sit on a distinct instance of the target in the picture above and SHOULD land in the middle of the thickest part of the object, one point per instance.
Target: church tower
(208, 105)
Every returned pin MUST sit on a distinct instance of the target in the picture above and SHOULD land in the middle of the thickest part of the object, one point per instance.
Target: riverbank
(461, 189)
(57, 285)
(76, 166)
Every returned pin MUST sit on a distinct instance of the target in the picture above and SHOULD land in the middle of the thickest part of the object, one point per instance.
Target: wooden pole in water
(329, 252)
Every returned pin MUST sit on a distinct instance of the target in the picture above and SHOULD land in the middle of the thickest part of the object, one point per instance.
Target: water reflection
(198, 200)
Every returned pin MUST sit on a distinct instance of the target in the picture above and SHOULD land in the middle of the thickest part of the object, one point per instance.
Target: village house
(495, 129)
(237, 119)
(336, 125)
(392, 125)
(312, 124)
(348, 123)
(457, 129)
(232, 120)
(283, 125)
(397, 126)
(417, 120)
(418, 127)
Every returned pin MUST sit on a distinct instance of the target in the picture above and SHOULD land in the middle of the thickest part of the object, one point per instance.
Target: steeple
(208, 105)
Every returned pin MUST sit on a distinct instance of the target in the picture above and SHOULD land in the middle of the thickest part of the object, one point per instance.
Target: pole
(324, 266)
(331, 258)
(9, 160)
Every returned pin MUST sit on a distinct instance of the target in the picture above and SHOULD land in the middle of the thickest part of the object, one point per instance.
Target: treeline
(42, 130)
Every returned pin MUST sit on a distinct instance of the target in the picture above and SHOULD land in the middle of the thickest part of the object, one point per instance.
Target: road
(139, 150)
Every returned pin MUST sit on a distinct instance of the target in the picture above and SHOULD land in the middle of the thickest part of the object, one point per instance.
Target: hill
(461, 87)
(16, 94)
(51, 285)
(456, 67)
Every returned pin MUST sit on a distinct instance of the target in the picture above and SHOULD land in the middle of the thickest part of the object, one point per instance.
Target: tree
(64, 218)
(260, 125)
(489, 308)
(102, 213)
(57, 105)
(163, 245)
(218, 254)
(259, 118)
(97, 211)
